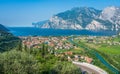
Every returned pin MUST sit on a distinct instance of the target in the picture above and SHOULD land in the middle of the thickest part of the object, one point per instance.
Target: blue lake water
(30, 31)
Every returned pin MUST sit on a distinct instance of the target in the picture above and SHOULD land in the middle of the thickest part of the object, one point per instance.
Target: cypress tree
(20, 46)
(43, 50)
(25, 48)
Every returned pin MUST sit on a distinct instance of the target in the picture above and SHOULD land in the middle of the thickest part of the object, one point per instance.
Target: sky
(22, 13)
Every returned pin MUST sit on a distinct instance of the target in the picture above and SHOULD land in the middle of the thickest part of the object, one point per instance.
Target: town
(61, 45)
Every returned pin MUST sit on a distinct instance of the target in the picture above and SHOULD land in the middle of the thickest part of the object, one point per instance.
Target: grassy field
(108, 49)
(114, 49)
(110, 52)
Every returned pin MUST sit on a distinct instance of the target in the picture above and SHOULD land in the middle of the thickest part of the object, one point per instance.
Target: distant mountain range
(87, 18)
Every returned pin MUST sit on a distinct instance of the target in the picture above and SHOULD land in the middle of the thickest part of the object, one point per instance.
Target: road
(91, 69)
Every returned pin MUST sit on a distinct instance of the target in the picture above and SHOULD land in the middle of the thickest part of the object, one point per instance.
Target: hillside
(3, 28)
(7, 40)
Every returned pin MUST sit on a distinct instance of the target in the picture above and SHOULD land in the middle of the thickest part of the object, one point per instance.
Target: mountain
(112, 14)
(87, 18)
(39, 24)
(3, 28)
(7, 40)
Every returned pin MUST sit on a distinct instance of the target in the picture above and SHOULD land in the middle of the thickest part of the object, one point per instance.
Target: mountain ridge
(2, 28)
(87, 18)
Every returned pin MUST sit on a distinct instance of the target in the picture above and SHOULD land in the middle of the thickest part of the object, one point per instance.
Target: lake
(30, 31)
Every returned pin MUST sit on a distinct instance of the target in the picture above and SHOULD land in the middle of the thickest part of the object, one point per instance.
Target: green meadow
(113, 49)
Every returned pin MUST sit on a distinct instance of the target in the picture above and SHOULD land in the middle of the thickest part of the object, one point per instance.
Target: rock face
(84, 18)
(95, 25)
(112, 14)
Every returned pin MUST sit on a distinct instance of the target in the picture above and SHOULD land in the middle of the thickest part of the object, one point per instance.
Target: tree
(66, 68)
(25, 47)
(19, 46)
(43, 50)
(17, 62)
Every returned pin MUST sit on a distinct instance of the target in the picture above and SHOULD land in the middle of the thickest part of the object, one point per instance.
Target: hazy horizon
(18, 13)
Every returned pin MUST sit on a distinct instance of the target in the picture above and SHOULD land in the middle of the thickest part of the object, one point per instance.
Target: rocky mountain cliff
(84, 18)
(112, 14)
